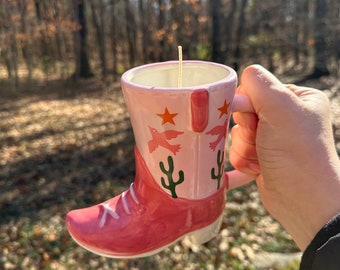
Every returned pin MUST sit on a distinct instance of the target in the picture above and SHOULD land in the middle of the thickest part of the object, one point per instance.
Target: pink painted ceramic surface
(144, 219)
(179, 187)
(181, 129)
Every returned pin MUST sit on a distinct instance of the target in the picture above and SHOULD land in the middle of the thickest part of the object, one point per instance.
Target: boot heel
(205, 234)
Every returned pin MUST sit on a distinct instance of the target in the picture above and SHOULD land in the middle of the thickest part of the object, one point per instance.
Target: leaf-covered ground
(64, 147)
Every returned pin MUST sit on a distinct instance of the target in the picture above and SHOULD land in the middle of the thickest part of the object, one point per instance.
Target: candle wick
(180, 67)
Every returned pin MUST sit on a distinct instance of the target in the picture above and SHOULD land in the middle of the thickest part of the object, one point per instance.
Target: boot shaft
(181, 132)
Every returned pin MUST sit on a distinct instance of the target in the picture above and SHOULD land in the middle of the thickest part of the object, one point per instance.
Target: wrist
(306, 201)
(330, 231)
(320, 205)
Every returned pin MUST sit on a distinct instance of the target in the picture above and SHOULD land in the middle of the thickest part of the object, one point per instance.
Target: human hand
(287, 144)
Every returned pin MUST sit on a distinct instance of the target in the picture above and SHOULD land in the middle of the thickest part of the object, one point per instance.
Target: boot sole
(195, 238)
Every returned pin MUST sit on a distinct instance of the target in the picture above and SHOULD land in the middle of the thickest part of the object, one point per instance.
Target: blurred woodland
(66, 141)
(82, 38)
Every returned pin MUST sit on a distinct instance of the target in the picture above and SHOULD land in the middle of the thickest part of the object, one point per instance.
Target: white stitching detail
(107, 210)
(112, 213)
(125, 205)
(133, 194)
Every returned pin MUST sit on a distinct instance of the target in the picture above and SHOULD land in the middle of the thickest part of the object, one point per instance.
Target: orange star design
(224, 109)
(167, 117)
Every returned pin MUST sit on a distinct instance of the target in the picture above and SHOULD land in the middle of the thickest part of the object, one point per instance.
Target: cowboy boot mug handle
(235, 178)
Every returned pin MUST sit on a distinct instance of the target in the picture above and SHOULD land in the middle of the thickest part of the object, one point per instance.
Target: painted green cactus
(169, 173)
(220, 166)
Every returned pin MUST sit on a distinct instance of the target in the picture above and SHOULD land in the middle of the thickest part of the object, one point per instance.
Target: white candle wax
(165, 75)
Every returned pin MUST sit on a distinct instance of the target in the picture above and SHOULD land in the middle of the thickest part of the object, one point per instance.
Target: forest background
(106, 37)
(65, 137)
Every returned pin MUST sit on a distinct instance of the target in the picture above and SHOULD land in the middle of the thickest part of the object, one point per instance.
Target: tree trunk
(304, 48)
(13, 55)
(194, 25)
(61, 43)
(131, 33)
(114, 38)
(27, 44)
(320, 36)
(82, 63)
(239, 31)
(99, 23)
(296, 31)
(161, 31)
(216, 31)
(334, 55)
(228, 23)
(144, 30)
(45, 54)
(177, 20)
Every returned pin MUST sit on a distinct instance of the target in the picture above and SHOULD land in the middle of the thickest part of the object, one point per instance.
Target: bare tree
(239, 32)
(228, 23)
(114, 37)
(10, 43)
(320, 36)
(98, 11)
(216, 40)
(27, 44)
(82, 63)
(130, 33)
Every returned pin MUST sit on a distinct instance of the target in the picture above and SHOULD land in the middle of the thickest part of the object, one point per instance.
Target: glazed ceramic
(184, 127)
(180, 185)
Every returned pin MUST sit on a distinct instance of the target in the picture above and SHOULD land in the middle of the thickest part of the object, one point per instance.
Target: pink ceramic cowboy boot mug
(180, 183)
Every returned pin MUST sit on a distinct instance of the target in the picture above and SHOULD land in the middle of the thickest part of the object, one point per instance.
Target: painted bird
(161, 139)
(220, 131)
